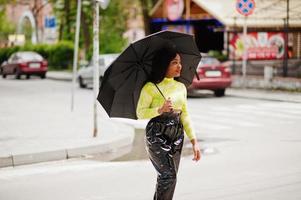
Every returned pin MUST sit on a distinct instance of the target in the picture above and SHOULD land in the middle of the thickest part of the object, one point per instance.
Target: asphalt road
(251, 151)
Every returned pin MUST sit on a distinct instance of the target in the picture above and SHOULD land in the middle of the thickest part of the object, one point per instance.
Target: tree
(112, 24)
(6, 27)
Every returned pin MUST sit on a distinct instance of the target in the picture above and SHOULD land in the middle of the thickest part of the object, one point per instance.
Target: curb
(59, 78)
(106, 152)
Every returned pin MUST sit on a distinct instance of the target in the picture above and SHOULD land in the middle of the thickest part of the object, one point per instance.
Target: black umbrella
(125, 77)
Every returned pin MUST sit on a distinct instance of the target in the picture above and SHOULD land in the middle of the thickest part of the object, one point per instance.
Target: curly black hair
(161, 60)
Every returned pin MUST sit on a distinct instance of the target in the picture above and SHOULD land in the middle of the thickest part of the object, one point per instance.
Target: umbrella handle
(160, 91)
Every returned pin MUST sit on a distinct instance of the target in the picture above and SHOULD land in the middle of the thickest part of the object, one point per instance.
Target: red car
(25, 62)
(213, 76)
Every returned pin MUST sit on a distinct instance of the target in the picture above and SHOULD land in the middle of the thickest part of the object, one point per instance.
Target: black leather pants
(164, 142)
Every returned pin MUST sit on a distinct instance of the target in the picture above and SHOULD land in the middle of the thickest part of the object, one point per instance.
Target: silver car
(85, 73)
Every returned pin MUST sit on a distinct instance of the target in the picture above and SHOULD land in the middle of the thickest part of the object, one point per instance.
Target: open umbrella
(125, 77)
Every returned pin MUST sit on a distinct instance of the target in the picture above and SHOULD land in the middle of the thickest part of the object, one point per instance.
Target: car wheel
(43, 76)
(17, 73)
(27, 76)
(3, 75)
(81, 82)
(219, 92)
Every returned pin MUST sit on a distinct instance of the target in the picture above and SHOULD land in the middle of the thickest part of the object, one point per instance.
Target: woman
(164, 100)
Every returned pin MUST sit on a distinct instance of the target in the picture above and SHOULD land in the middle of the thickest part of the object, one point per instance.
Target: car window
(209, 61)
(105, 59)
(11, 58)
(29, 56)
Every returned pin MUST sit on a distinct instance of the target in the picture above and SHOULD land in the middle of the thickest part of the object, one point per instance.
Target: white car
(85, 73)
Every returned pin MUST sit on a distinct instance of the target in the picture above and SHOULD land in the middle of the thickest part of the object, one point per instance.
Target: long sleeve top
(151, 100)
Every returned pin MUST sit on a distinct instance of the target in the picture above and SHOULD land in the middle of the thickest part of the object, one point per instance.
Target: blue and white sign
(50, 34)
(50, 22)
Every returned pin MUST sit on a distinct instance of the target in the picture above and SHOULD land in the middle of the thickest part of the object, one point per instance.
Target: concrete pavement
(37, 125)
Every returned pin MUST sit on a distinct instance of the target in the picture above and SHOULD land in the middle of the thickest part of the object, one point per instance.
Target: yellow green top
(151, 100)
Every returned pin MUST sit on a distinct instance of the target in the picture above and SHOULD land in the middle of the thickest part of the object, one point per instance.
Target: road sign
(245, 7)
(50, 22)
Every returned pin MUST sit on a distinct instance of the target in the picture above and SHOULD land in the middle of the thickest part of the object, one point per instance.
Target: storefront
(174, 15)
(218, 26)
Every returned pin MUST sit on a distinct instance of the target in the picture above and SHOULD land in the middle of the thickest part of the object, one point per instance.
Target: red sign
(245, 7)
(174, 8)
(260, 45)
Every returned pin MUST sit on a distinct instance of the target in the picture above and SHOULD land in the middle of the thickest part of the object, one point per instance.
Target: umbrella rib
(185, 79)
(123, 61)
(146, 49)
(121, 72)
(134, 51)
(189, 54)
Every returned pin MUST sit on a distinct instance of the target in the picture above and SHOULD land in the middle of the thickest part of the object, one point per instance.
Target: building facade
(34, 19)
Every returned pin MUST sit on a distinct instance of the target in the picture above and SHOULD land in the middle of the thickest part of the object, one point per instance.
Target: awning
(267, 13)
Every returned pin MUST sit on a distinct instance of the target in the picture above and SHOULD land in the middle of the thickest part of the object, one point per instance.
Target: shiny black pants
(164, 142)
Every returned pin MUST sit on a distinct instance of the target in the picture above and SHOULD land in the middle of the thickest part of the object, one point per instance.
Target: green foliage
(218, 55)
(112, 25)
(59, 56)
(6, 27)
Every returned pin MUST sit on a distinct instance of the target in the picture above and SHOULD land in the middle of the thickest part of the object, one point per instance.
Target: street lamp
(103, 4)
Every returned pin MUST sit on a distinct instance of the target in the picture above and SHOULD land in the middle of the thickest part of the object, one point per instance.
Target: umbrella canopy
(123, 80)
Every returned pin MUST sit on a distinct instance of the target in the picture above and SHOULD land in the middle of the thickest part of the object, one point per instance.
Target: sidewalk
(31, 132)
(275, 83)
(270, 95)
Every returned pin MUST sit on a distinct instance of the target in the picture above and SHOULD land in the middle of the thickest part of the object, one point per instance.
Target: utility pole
(95, 62)
(103, 4)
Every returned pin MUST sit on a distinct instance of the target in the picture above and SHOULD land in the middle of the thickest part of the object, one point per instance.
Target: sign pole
(246, 8)
(245, 53)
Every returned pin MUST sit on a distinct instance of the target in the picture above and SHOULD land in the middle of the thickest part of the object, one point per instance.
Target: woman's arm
(185, 119)
(196, 150)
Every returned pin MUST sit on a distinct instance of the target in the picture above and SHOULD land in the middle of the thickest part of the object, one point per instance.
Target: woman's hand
(196, 150)
(167, 106)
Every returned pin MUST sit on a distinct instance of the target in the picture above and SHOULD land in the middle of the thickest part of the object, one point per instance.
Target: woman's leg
(167, 173)
(166, 165)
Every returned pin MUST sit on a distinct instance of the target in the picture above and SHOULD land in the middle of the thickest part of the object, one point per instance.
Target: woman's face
(174, 68)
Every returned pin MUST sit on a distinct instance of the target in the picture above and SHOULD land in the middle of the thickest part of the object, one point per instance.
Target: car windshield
(209, 61)
(30, 56)
(105, 59)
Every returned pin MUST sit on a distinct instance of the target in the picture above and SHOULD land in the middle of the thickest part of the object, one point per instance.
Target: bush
(59, 56)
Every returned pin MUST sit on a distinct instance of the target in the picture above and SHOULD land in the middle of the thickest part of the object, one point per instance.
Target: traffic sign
(245, 7)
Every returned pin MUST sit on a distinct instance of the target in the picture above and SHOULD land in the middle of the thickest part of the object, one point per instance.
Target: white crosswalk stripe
(221, 117)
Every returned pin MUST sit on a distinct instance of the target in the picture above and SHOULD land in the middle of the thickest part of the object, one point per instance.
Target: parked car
(213, 76)
(85, 73)
(24, 62)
